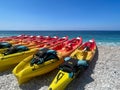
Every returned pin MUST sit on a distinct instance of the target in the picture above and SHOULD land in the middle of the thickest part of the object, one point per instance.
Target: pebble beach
(102, 74)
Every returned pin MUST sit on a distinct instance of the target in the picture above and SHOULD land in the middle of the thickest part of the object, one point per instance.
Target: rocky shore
(103, 74)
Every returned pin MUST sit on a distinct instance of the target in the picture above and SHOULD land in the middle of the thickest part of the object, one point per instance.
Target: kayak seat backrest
(73, 65)
(43, 55)
(15, 49)
(69, 65)
(21, 48)
(5, 45)
(41, 52)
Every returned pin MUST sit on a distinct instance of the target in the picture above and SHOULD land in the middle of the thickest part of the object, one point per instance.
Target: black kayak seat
(16, 49)
(73, 65)
(43, 55)
(21, 48)
(5, 45)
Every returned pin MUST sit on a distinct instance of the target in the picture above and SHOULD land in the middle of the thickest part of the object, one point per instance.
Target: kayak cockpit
(15, 49)
(43, 55)
(5, 45)
(72, 65)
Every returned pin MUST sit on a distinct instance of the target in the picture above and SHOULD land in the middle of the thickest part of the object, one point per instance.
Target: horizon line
(61, 30)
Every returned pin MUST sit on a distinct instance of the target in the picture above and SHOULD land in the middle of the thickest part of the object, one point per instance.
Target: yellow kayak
(14, 55)
(45, 60)
(73, 65)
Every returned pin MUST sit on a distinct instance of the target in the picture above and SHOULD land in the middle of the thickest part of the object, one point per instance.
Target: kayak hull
(13, 59)
(64, 77)
(24, 72)
(61, 80)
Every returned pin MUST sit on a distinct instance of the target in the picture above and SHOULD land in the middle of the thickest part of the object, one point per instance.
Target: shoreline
(103, 74)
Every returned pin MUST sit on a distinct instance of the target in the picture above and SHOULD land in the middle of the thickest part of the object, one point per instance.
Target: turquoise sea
(111, 38)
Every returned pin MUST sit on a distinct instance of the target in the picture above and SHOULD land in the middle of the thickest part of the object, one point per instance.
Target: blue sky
(59, 14)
